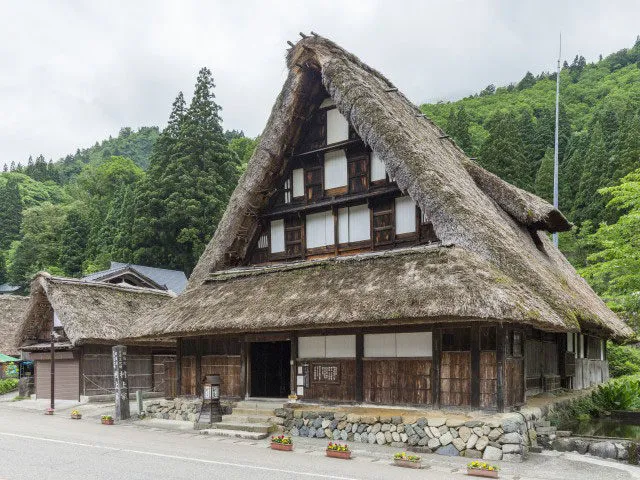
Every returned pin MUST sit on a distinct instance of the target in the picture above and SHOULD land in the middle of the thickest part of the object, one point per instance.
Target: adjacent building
(141, 276)
(364, 257)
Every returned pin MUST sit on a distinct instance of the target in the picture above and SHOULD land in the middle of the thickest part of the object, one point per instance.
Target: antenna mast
(555, 152)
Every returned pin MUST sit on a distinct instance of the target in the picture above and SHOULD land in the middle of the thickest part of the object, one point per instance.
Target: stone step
(546, 430)
(252, 412)
(221, 432)
(542, 423)
(237, 418)
(243, 426)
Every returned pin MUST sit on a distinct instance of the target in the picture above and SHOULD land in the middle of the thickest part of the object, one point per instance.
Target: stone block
(442, 429)
(459, 444)
(380, 439)
(372, 438)
(385, 419)
(369, 420)
(420, 432)
(491, 453)
(357, 437)
(509, 426)
(395, 437)
(446, 438)
(478, 431)
(297, 414)
(423, 442)
(342, 424)
(396, 420)
(603, 450)
(339, 416)
(421, 422)
(387, 437)
(454, 423)
(362, 427)
(465, 433)
(408, 429)
(545, 430)
(351, 418)
(333, 424)
(320, 433)
(482, 443)
(335, 434)
(400, 428)
(563, 433)
(317, 423)
(454, 432)
(294, 432)
(386, 427)
(403, 437)
(435, 432)
(376, 428)
(494, 435)
(512, 437)
(473, 423)
(473, 454)
(511, 448)
(486, 429)
(472, 440)
(414, 439)
(436, 422)
(448, 450)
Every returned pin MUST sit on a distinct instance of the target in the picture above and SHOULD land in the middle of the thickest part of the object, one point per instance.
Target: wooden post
(243, 368)
(52, 370)
(475, 366)
(178, 367)
(359, 367)
(500, 345)
(121, 382)
(248, 357)
(435, 367)
(199, 367)
(139, 402)
(294, 360)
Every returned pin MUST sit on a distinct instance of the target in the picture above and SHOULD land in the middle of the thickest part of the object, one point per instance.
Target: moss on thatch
(492, 221)
(12, 310)
(90, 312)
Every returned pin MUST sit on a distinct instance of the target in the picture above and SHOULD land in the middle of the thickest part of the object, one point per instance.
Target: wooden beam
(500, 346)
(178, 367)
(359, 367)
(475, 366)
(198, 366)
(243, 369)
(435, 367)
(294, 358)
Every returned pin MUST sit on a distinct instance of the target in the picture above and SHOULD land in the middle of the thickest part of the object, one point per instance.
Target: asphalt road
(35, 446)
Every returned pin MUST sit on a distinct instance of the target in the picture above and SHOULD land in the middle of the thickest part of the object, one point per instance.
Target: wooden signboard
(325, 373)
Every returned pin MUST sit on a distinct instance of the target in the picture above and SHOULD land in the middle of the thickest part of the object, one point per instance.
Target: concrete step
(253, 412)
(235, 418)
(221, 432)
(243, 426)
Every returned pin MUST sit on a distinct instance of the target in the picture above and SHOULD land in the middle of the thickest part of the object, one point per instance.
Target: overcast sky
(72, 73)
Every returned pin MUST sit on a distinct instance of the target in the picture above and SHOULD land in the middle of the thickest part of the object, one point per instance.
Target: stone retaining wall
(178, 409)
(505, 439)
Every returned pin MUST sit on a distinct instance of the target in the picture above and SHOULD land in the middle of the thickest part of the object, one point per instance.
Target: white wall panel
(277, 236)
(414, 344)
(298, 182)
(311, 347)
(378, 171)
(335, 169)
(337, 127)
(354, 224)
(380, 345)
(319, 229)
(569, 341)
(340, 346)
(343, 225)
(405, 215)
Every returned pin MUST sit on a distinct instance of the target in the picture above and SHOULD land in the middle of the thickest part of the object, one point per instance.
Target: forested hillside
(510, 131)
(145, 196)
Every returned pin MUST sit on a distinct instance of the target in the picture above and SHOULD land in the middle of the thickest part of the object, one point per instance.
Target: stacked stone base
(502, 439)
(186, 409)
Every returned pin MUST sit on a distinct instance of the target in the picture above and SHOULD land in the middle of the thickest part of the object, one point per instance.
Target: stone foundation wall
(505, 439)
(186, 409)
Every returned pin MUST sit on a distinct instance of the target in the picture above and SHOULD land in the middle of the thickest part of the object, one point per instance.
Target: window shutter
(335, 169)
(298, 182)
(337, 127)
(405, 215)
(319, 231)
(277, 236)
(378, 172)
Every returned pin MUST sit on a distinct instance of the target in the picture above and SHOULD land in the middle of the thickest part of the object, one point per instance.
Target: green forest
(155, 197)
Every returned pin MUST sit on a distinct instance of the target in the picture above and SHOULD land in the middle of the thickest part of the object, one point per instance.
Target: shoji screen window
(405, 215)
(337, 127)
(354, 224)
(319, 229)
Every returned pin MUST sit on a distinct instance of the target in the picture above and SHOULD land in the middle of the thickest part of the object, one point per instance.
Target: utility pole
(555, 152)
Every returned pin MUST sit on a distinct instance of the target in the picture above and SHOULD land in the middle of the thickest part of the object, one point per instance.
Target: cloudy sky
(75, 72)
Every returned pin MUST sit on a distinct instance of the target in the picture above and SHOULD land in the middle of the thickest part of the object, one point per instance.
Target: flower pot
(108, 421)
(337, 454)
(407, 463)
(48, 411)
(77, 417)
(478, 472)
(282, 446)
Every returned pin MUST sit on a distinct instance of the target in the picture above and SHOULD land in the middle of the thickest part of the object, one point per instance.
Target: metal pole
(555, 152)
(53, 369)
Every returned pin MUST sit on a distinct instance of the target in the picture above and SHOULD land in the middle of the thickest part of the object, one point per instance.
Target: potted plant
(76, 415)
(49, 411)
(107, 419)
(337, 450)
(293, 398)
(482, 469)
(281, 442)
(407, 461)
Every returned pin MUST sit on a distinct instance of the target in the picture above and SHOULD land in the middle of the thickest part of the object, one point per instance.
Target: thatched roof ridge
(90, 312)
(468, 207)
(12, 310)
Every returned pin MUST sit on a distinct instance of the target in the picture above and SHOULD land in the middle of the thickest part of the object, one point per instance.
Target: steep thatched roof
(12, 309)
(90, 312)
(493, 222)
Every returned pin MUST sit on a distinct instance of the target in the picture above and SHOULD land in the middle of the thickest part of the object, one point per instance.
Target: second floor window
(335, 169)
(337, 127)
(354, 224)
(319, 229)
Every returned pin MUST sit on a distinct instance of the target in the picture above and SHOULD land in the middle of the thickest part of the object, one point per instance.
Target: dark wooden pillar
(243, 368)
(178, 367)
(475, 366)
(294, 362)
(359, 367)
(435, 367)
(500, 352)
(199, 366)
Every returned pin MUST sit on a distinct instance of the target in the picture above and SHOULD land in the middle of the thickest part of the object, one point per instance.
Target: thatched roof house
(361, 232)
(12, 309)
(496, 230)
(90, 317)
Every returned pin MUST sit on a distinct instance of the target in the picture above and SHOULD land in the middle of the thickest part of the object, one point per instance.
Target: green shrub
(618, 394)
(623, 360)
(8, 385)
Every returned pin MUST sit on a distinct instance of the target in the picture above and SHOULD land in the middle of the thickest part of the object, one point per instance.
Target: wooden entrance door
(270, 369)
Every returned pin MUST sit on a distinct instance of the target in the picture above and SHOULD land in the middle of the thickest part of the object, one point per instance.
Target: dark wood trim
(178, 367)
(435, 367)
(243, 369)
(475, 366)
(198, 367)
(359, 367)
(327, 148)
(268, 337)
(294, 356)
(501, 339)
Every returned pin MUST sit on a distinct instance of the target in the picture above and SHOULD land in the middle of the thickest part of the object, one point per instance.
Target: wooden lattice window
(313, 183)
(383, 223)
(358, 173)
(293, 236)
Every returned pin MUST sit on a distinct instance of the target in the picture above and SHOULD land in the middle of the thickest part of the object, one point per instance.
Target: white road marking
(176, 457)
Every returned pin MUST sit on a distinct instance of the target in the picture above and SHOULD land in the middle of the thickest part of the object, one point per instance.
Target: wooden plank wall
(488, 379)
(97, 373)
(170, 379)
(514, 388)
(397, 381)
(228, 367)
(159, 379)
(343, 391)
(188, 369)
(455, 379)
(533, 365)
(590, 372)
